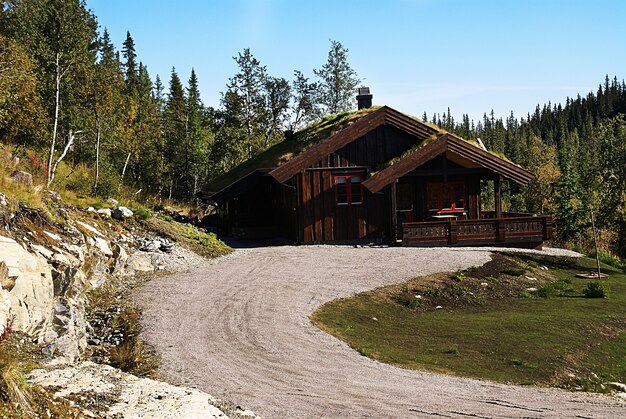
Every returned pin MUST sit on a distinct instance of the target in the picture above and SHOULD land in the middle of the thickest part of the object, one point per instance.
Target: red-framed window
(349, 189)
(445, 195)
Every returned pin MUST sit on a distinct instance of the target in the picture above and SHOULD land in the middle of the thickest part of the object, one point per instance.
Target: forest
(89, 117)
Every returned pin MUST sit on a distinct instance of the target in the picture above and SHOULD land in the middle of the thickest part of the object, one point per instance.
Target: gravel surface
(238, 328)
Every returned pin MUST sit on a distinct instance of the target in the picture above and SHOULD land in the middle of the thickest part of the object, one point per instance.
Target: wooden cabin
(374, 175)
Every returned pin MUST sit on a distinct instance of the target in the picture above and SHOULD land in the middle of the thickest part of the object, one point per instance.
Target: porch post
(394, 213)
(498, 196)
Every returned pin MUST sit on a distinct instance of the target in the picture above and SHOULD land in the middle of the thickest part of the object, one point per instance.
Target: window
(348, 189)
(440, 195)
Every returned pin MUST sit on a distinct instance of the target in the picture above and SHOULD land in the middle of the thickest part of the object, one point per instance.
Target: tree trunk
(124, 169)
(70, 140)
(57, 69)
(95, 186)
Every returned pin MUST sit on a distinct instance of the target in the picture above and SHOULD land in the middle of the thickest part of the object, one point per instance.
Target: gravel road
(238, 328)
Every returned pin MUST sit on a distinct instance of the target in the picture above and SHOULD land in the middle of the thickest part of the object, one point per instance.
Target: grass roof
(284, 151)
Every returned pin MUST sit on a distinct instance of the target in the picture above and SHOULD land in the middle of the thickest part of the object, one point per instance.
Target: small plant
(514, 272)
(595, 290)
(454, 350)
(459, 276)
(408, 299)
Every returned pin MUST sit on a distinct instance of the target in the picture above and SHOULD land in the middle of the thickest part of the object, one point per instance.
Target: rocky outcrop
(27, 289)
(101, 390)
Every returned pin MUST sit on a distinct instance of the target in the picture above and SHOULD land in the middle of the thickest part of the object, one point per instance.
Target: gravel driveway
(238, 328)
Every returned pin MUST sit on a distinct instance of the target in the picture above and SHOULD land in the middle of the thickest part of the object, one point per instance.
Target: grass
(199, 241)
(502, 333)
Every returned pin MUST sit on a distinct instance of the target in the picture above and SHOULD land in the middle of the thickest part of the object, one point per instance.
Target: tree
(60, 35)
(175, 133)
(338, 81)
(305, 108)
(130, 63)
(245, 101)
(21, 111)
(542, 161)
(277, 94)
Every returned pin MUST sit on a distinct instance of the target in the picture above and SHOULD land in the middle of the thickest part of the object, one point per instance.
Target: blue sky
(416, 55)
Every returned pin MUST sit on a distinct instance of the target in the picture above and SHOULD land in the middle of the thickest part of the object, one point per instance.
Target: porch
(513, 229)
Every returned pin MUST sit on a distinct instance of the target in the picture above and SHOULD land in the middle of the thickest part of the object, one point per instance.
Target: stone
(112, 201)
(43, 251)
(89, 228)
(6, 282)
(103, 246)
(22, 178)
(121, 212)
(32, 293)
(55, 196)
(124, 395)
(620, 387)
(91, 209)
(531, 289)
(3, 200)
(53, 236)
(105, 211)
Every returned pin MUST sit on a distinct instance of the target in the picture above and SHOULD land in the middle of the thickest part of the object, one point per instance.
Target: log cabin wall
(321, 219)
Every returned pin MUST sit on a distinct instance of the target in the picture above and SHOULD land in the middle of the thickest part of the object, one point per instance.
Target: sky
(415, 55)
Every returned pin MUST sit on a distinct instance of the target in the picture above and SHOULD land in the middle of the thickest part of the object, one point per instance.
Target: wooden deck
(515, 230)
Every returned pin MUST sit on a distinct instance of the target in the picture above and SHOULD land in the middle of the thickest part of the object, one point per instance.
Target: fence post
(453, 229)
(500, 230)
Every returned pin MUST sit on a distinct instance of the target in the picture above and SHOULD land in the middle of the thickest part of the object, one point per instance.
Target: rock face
(125, 395)
(28, 288)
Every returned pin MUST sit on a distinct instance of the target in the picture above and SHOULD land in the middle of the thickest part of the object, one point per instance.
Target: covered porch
(436, 199)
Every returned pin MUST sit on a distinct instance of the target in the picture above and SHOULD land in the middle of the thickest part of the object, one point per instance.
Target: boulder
(22, 178)
(105, 211)
(121, 212)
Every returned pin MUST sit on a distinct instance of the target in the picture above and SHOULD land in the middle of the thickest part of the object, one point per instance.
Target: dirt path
(239, 329)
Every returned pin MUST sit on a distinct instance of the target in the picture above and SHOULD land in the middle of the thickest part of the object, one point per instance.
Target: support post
(454, 232)
(498, 195)
(394, 213)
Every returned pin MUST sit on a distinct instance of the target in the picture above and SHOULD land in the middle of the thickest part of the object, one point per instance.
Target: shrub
(407, 299)
(595, 290)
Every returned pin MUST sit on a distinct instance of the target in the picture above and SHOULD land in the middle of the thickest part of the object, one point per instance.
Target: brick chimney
(364, 98)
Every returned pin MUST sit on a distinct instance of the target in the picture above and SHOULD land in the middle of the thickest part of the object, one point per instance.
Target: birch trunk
(57, 68)
(95, 186)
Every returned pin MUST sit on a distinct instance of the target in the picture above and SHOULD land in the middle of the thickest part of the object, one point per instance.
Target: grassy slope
(561, 340)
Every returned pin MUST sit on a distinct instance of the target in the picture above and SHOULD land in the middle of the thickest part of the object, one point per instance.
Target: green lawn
(498, 331)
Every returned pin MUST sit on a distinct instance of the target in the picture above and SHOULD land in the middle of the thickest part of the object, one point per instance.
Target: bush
(609, 259)
(595, 290)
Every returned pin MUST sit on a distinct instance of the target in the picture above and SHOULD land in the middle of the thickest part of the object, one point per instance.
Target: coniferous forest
(70, 98)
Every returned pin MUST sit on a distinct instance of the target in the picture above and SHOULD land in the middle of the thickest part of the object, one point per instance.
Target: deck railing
(519, 230)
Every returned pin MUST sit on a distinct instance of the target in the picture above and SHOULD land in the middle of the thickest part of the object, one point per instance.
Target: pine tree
(130, 63)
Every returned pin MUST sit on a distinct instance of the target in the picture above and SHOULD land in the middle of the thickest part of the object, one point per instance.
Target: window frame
(349, 193)
(440, 193)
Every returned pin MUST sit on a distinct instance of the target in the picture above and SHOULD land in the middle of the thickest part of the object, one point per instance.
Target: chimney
(364, 98)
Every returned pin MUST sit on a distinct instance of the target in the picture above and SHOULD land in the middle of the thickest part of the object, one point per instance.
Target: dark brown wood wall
(321, 219)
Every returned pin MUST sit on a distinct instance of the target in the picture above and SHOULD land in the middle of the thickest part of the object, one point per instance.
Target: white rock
(91, 209)
(53, 236)
(531, 289)
(103, 246)
(105, 211)
(89, 228)
(131, 396)
(3, 200)
(42, 251)
(438, 307)
(32, 295)
(112, 201)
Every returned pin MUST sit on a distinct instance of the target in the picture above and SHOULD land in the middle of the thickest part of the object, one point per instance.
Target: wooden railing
(527, 231)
